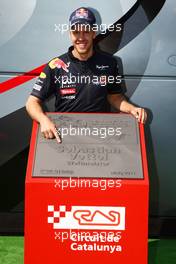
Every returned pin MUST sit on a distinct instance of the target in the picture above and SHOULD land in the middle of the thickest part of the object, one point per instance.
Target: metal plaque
(93, 146)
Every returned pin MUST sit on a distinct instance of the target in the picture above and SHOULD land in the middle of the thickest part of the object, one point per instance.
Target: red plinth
(105, 221)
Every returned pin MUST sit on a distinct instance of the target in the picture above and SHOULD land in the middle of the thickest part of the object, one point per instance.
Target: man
(77, 94)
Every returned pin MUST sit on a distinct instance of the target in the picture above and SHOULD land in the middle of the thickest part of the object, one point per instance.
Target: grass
(161, 251)
(11, 250)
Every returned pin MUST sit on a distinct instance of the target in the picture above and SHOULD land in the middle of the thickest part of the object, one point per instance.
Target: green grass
(11, 250)
(161, 251)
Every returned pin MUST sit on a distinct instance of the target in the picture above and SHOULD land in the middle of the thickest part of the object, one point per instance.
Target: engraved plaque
(93, 146)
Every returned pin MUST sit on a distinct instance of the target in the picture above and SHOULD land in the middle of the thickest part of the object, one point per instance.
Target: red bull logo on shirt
(60, 64)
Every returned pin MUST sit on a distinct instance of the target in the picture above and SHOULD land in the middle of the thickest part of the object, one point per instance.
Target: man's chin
(82, 51)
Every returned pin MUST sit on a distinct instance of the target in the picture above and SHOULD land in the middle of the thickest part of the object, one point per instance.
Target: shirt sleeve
(44, 86)
(114, 80)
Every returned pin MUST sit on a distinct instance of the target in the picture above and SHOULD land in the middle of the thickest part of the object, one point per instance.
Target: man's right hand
(48, 129)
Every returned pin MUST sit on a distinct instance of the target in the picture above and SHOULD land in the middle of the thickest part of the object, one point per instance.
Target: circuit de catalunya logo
(86, 217)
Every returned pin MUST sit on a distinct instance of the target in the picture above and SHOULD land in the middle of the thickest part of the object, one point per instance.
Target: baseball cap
(82, 15)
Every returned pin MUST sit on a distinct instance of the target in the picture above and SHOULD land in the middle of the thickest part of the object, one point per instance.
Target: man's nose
(81, 36)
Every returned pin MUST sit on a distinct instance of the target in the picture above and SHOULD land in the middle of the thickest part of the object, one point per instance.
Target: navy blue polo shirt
(79, 86)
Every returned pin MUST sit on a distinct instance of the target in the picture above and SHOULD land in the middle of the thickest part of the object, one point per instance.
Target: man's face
(82, 38)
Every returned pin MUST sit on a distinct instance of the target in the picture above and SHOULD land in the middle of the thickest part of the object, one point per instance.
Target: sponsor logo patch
(37, 87)
(67, 91)
(102, 67)
(42, 75)
(60, 64)
(82, 13)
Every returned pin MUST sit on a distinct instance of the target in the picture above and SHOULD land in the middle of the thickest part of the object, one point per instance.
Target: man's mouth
(82, 45)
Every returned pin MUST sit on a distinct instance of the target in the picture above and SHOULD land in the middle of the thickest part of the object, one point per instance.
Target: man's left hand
(140, 114)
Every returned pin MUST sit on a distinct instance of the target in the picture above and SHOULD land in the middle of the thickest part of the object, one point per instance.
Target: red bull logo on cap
(82, 13)
(60, 64)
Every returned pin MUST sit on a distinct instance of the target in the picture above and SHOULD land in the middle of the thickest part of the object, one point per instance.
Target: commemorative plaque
(86, 199)
(93, 145)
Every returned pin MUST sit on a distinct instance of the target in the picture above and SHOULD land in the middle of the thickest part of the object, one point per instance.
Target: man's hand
(140, 114)
(119, 102)
(48, 129)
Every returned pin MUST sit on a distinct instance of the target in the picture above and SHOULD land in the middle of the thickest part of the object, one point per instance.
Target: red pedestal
(105, 222)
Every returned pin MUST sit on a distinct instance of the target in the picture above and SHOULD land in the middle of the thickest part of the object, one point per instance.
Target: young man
(63, 77)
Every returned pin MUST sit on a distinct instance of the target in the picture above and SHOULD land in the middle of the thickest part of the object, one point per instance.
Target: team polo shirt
(79, 86)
